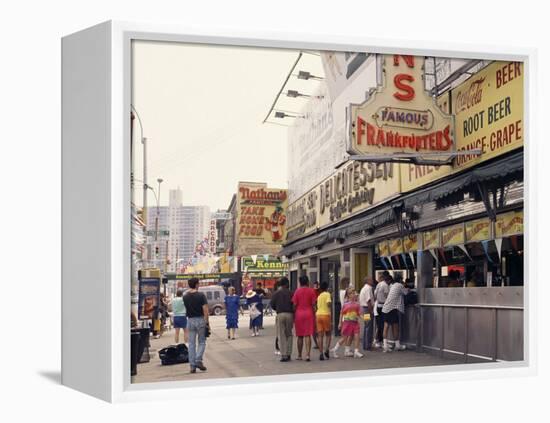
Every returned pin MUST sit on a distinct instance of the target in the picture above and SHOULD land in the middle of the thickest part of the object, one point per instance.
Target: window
(217, 295)
(208, 295)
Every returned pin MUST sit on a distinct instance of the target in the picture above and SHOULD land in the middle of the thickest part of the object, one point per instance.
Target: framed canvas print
(243, 209)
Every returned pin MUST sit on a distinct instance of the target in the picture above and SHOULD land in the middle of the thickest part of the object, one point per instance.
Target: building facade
(454, 229)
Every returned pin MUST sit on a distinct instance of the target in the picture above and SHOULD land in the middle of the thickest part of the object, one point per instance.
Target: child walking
(349, 325)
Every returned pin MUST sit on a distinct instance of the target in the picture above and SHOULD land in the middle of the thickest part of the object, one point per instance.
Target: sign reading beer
(488, 110)
(396, 246)
(399, 116)
(452, 235)
(384, 249)
(508, 224)
(261, 219)
(430, 239)
(410, 243)
(478, 230)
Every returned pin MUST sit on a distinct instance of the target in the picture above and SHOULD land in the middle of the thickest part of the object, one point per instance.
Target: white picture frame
(96, 90)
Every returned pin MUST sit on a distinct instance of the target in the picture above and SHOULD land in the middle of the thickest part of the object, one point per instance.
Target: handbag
(254, 312)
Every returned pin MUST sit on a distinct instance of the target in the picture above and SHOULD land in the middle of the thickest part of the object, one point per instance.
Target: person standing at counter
(380, 294)
(366, 301)
(394, 305)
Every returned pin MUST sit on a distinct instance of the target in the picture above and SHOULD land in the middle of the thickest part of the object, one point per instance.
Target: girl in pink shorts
(349, 323)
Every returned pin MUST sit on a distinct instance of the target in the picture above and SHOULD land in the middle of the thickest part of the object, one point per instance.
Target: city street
(254, 356)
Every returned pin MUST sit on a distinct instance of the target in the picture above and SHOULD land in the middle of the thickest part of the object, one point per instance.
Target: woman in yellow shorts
(323, 320)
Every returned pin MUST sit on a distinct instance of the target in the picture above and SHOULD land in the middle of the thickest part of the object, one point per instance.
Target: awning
(370, 220)
(512, 166)
(504, 169)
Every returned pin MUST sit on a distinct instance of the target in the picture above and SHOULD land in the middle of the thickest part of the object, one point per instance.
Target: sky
(201, 109)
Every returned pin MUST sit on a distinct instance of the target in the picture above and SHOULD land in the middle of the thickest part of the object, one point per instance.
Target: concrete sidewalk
(254, 356)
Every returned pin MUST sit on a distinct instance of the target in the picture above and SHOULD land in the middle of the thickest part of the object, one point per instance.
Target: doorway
(330, 269)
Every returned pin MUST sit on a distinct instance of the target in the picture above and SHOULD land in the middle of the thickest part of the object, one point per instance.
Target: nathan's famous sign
(399, 116)
(261, 219)
(488, 110)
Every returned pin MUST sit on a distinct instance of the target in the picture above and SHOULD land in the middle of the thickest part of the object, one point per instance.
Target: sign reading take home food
(399, 116)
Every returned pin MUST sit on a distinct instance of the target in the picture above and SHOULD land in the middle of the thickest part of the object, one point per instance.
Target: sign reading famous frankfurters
(399, 117)
(261, 219)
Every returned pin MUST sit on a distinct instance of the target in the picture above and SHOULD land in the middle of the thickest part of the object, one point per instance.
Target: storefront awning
(505, 168)
(509, 168)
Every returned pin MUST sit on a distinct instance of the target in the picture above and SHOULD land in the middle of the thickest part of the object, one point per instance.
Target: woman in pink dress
(304, 316)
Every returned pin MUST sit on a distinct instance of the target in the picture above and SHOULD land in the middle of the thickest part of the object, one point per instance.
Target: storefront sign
(478, 230)
(452, 235)
(488, 110)
(262, 264)
(384, 249)
(354, 188)
(399, 116)
(212, 236)
(395, 246)
(261, 219)
(508, 224)
(410, 243)
(430, 240)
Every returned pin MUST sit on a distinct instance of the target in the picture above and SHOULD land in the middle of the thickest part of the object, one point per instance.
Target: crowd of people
(306, 314)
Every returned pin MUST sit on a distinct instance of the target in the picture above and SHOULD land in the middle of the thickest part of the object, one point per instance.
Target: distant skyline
(202, 109)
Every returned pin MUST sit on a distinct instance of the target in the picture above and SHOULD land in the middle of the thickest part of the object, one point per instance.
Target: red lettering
(400, 85)
(360, 129)
(409, 60)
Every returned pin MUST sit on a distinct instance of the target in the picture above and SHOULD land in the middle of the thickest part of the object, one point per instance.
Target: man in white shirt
(380, 294)
(394, 307)
(366, 301)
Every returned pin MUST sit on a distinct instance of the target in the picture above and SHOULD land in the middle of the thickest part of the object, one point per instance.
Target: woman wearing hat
(255, 310)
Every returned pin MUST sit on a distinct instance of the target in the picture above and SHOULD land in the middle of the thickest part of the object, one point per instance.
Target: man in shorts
(393, 306)
(323, 321)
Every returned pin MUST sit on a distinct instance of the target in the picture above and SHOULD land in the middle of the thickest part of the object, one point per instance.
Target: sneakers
(193, 370)
(284, 359)
(321, 357)
(201, 366)
(327, 355)
(277, 352)
(400, 347)
(357, 354)
(334, 352)
(348, 352)
(377, 345)
(386, 349)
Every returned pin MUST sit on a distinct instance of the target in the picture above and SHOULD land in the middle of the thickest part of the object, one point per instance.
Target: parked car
(215, 296)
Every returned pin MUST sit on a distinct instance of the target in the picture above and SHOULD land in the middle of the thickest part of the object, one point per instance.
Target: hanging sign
(508, 224)
(383, 249)
(410, 243)
(395, 246)
(431, 239)
(452, 235)
(399, 116)
(478, 230)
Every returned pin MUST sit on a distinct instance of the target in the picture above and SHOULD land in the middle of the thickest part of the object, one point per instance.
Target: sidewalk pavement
(254, 356)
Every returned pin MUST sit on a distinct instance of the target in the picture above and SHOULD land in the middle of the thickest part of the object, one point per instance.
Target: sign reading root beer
(399, 116)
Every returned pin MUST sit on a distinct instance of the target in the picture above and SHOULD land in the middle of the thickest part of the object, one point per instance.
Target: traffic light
(157, 251)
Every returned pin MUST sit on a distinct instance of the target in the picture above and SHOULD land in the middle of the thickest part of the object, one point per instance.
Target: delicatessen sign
(354, 188)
